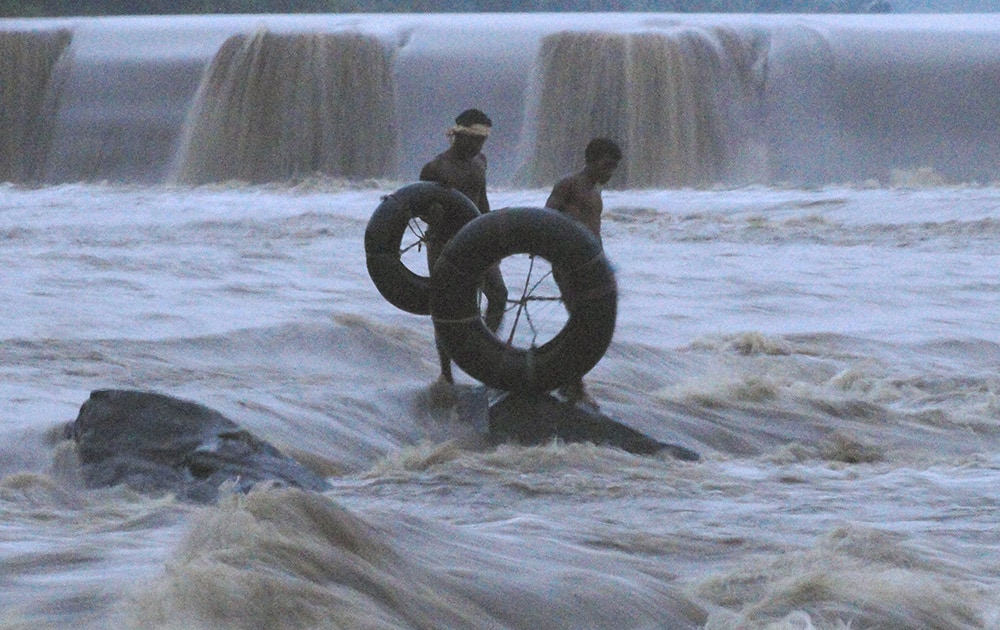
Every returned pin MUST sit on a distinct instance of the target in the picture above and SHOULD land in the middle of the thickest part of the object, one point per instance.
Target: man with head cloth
(463, 167)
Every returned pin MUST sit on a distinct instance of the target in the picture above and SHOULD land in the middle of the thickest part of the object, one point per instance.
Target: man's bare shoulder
(435, 169)
(452, 171)
(563, 183)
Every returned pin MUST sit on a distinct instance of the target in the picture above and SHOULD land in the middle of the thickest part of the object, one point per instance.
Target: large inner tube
(445, 210)
(586, 281)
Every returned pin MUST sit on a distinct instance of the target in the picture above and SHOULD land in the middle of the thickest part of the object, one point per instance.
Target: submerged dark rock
(539, 418)
(157, 444)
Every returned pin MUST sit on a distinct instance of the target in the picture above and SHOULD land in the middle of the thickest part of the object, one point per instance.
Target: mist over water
(828, 348)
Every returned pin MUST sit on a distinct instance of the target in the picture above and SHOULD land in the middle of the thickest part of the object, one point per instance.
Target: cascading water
(671, 98)
(28, 96)
(274, 107)
(695, 100)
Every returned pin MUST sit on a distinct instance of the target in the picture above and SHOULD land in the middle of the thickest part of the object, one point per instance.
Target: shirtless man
(579, 196)
(463, 167)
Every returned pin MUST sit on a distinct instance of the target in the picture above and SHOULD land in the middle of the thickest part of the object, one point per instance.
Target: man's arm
(560, 195)
(483, 203)
(431, 172)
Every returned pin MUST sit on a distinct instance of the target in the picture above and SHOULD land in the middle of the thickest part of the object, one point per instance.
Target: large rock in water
(158, 444)
(539, 418)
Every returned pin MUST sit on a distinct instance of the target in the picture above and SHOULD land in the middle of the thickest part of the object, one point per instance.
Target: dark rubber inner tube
(445, 210)
(586, 281)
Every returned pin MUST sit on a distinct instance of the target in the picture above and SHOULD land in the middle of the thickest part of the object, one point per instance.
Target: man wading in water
(579, 197)
(463, 167)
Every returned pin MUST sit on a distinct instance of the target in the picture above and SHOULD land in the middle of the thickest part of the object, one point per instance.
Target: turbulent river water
(831, 353)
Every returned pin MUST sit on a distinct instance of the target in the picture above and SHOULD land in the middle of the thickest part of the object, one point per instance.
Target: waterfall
(694, 100)
(28, 96)
(673, 99)
(278, 106)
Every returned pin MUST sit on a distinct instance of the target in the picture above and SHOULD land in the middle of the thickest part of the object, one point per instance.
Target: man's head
(473, 122)
(471, 129)
(602, 157)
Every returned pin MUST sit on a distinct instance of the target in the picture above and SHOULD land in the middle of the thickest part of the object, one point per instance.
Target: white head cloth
(472, 130)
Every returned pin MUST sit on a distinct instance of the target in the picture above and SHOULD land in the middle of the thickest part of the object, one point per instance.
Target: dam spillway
(695, 100)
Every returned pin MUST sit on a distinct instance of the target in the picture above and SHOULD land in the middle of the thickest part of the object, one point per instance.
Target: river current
(830, 352)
